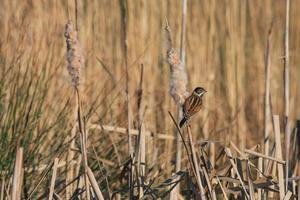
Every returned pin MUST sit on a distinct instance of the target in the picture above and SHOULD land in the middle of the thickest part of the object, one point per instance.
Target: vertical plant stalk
(54, 168)
(142, 137)
(71, 154)
(75, 67)
(18, 177)
(190, 157)
(287, 90)
(124, 23)
(176, 190)
(182, 59)
(267, 95)
(195, 163)
(279, 156)
(94, 184)
(2, 188)
(178, 82)
(83, 143)
(286, 60)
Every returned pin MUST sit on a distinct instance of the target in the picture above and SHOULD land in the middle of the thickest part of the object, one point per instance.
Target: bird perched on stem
(192, 104)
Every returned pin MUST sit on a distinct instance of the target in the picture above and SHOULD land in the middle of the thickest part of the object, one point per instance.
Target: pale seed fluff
(178, 76)
(74, 55)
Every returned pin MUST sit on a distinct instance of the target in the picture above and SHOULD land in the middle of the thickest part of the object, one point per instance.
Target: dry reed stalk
(287, 90)
(124, 24)
(54, 168)
(69, 166)
(259, 175)
(94, 184)
(209, 185)
(16, 193)
(222, 188)
(235, 168)
(142, 159)
(2, 188)
(279, 156)
(287, 153)
(250, 182)
(195, 163)
(286, 60)
(116, 129)
(278, 160)
(44, 174)
(191, 158)
(267, 94)
(142, 136)
(288, 195)
(298, 189)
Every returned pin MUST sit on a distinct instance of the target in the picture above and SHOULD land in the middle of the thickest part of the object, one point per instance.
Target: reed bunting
(192, 104)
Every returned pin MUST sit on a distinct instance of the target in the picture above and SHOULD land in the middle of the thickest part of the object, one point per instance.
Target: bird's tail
(182, 122)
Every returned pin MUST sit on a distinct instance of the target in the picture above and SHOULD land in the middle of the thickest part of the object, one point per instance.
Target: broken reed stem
(235, 169)
(279, 156)
(248, 151)
(286, 89)
(54, 168)
(18, 176)
(94, 184)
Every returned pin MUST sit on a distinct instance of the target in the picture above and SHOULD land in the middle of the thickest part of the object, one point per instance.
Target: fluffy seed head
(74, 55)
(178, 76)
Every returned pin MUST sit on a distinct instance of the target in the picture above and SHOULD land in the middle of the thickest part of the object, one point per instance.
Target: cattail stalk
(75, 68)
(178, 82)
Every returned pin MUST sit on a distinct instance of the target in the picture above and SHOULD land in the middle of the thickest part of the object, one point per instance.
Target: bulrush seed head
(178, 76)
(74, 56)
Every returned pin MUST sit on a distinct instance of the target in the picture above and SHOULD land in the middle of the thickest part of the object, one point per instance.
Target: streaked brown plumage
(192, 104)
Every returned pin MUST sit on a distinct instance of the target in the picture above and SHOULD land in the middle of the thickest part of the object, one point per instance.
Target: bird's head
(199, 91)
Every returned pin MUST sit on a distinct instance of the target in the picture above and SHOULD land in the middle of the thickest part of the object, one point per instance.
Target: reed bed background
(116, 132)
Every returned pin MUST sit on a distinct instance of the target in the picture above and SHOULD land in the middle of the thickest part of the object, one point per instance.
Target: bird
(192, 104)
